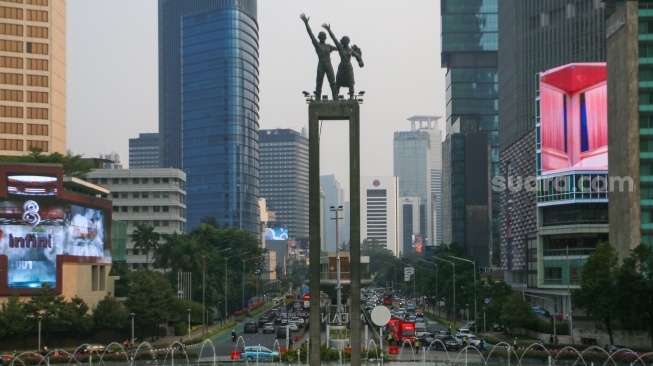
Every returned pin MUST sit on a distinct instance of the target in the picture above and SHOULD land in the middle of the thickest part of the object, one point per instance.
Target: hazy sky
(113, 72)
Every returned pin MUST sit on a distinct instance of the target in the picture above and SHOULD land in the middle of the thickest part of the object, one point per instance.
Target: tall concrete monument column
(321, 111)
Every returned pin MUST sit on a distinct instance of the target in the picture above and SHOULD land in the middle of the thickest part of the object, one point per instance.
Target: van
(420, 329)
(250, 327)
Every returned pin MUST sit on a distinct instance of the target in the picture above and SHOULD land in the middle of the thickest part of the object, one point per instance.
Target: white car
(298, 320)
(292, 326)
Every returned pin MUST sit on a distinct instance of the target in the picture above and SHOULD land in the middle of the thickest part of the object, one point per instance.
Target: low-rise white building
(145, 196)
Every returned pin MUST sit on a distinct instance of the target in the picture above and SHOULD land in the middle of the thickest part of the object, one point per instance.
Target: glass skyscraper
(208, 51)
(469, 53)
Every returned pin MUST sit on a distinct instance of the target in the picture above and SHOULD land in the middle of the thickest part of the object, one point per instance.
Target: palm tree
(144, 237)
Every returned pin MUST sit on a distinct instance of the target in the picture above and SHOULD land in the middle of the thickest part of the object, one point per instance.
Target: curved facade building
(216, 56)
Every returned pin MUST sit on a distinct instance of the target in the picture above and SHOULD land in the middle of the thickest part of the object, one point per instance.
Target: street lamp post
(40, 318)
(474, 263)
(394, 278)
(132, 314)
(188, 323)
(338, 287)
(226, 286)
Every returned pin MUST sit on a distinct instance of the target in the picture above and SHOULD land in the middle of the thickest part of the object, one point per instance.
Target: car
(496, 327)
(293, 327)
(250, 327)
(464, 331)
(615, 348)
(298, 320)
(262, 321)
(419, 320)
(410, 307)
(541, 311)
(473, 340)
(412, 318)
(257, 353)
(419, 314)
(281, 332)
(470, 325)
(268, 328)
(448, 343)
(278, 319)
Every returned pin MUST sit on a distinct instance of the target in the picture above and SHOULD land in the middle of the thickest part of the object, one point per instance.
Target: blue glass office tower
(469, 53)
(208, 80)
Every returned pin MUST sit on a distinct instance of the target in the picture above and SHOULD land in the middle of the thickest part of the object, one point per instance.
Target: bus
(388, 298)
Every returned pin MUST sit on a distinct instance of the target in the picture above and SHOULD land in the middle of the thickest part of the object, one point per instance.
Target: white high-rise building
(431, 125)
(379, 211)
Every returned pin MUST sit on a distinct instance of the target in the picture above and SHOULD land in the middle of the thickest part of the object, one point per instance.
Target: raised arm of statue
(333, 37)
(308, 28)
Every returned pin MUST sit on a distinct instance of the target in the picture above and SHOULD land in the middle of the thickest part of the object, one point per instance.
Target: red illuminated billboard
(574, 118)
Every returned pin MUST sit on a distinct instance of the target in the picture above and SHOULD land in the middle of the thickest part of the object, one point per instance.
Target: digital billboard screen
(574, 118)
(418, 243)
(31, 185)
(276, 233)
(33, 234)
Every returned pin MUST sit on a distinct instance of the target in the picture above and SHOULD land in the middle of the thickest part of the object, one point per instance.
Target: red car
(419, 314)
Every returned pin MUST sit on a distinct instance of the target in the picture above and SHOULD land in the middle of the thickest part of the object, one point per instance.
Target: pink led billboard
(574, 118)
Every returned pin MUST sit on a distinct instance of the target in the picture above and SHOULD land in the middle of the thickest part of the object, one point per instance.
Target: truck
(401, 331)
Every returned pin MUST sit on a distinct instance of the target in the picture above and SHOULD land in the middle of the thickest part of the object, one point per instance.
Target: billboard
(418, 243)
(276, 233)
(574, 118)
(34, 232)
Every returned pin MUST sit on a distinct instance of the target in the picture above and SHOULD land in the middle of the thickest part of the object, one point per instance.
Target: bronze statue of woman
(345, 75)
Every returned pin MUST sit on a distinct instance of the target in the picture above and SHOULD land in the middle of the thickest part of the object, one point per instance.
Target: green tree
(13, 320)
(73, 165)
(57, 313)
(634, 288)
(78, 317)
(110, 314)
(598, 285)
(151, 299)
(497, 293)
(145, 238)
(516, 313)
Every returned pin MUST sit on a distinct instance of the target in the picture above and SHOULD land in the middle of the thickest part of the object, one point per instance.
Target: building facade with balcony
(156, 197)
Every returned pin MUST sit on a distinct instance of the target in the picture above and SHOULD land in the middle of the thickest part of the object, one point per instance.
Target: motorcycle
(233, 338)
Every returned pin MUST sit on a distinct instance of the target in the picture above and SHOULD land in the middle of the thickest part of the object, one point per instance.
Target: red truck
(401, 331)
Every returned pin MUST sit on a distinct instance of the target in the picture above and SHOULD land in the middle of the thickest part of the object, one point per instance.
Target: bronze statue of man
(323, 51)
(345, 76)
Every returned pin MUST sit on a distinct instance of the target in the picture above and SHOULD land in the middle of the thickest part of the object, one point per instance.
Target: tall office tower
(379, 212)
(284, 178)
(144, 151)
(630, 119)
(536, 36)
(412, 166)
(208, 78)
(333, 197)
(469, 53)
(32, 77)
(430, 124)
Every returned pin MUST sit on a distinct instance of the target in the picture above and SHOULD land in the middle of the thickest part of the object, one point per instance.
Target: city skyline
(128, 94)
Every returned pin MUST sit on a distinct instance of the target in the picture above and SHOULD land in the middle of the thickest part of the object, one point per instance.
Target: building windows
(136, 195)
(11, 95)
(11, 62)
(12, 79)
(11, 46)
(37, 32)
(37, 97)
(38, 130)
(11, 29)
(38, 48)
(43, 145)
(37, 15)
(11, 128)
(13, 112)
(13, 1)
(13, 145)
(37, 113)
(36, 64)
(11, 13)
(37, 2)
(37, 80)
